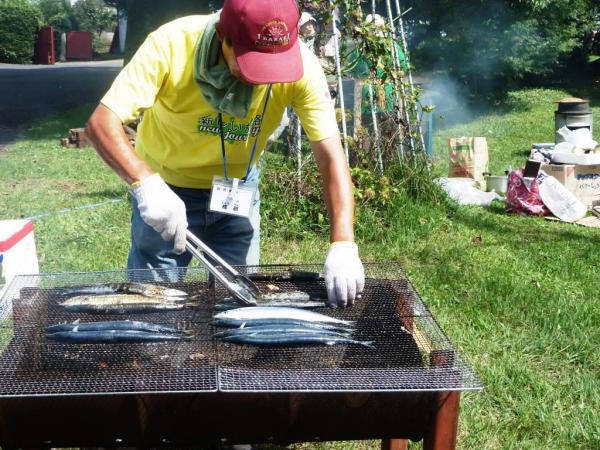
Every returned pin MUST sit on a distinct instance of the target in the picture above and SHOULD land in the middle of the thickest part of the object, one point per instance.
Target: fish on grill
(289, 296)
(114, 325)
(308, 304)
(112, 336)
(144, 289)
(292, 339)
(281, 313)
(122, 304)
(237, 323)
(279, 329)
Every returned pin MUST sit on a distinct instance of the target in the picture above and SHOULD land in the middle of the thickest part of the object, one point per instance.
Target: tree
(488, 44)
(94, 16)
(144, 17)
(19, 23)
(57, 14)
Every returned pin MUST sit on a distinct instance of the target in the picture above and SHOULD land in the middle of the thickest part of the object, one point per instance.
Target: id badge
(232, 196)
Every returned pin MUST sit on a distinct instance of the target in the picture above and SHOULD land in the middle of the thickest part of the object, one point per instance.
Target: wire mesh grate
(410, 351)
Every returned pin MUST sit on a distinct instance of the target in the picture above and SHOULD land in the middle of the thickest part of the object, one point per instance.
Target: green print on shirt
(232, 130)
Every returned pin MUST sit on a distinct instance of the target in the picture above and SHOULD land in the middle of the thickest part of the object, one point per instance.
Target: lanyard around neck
(222, 133)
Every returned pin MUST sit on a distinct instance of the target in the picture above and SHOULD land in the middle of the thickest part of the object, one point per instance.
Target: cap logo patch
(274, 33)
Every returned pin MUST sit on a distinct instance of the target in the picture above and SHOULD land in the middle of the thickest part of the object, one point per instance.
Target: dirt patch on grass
(58, 186)
(67, 186)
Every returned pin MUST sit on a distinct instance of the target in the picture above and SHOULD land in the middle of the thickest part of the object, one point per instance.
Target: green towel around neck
(219, 87)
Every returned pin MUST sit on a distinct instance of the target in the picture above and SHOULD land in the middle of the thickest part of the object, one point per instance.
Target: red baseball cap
(264, 35)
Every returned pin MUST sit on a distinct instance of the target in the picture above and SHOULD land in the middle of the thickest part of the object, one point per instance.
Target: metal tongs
(240, 286)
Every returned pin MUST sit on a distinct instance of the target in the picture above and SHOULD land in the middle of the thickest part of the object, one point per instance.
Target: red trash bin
(44, 47)
(79, 45)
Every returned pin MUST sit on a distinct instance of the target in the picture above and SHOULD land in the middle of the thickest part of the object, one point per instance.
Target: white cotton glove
(162, 209)
(344, 274)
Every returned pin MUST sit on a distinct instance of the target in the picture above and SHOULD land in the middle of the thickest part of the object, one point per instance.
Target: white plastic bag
(463, 191)
(580, 138)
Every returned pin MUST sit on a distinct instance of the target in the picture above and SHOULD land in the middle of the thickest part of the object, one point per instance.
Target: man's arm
(337, 187)
(159, 206)
(105, 130)
(344, 273)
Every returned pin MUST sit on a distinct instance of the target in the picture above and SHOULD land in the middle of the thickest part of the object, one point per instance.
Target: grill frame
(412, 315)
(190, 418)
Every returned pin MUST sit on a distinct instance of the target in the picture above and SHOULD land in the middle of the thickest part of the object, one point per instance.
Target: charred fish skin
(112, 336)
(145, 289)
(224, 306)
(293, 339)
(290, 296)
(286, 298)
(116, 299)
(236, 323)
(150, 290)
(114, 325)
(263, 312)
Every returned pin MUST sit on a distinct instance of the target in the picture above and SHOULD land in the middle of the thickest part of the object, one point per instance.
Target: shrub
(294, 208)
(19, 23)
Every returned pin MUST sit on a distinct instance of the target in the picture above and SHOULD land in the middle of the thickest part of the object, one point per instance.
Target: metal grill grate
(411, 351)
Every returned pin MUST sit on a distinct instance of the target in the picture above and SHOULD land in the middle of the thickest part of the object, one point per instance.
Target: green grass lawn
(519, 296)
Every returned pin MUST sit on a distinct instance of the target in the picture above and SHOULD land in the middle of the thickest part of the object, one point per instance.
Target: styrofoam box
(17, 246)
(571, 158)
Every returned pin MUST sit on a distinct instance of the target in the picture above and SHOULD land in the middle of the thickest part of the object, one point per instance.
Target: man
(211, 90)
(308, 30)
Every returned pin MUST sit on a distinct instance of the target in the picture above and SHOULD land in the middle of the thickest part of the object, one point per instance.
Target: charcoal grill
(204, 391)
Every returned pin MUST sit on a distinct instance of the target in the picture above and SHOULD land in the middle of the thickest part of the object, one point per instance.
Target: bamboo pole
(338, 70)
(409, 71)
(398, 84)
(379, 160)
(299, 155)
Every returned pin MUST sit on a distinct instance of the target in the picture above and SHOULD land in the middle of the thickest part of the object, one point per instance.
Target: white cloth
(344, 274)
(162, 209)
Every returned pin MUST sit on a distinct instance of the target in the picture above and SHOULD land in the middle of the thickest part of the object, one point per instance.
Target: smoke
(449, 99)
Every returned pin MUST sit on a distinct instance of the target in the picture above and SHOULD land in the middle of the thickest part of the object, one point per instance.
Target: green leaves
(489, 45)
(19, 23)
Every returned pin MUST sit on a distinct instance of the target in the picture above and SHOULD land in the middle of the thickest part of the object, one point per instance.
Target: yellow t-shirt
(179, 134)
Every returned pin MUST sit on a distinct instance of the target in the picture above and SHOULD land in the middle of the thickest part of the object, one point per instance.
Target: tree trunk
(145, 17)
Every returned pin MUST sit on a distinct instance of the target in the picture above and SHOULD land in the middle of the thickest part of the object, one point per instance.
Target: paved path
(31, 92)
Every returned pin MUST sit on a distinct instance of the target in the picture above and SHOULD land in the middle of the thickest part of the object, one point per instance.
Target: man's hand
(162, 209)
(344, 274)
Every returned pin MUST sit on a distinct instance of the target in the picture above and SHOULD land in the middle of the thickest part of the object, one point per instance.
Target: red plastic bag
(521, 199)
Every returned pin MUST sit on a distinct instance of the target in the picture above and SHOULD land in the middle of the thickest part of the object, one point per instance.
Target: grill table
(203, 391)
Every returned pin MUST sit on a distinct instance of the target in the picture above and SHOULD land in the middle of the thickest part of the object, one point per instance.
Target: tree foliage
(491, 43)
(58, 14)
(144, 17)
(94, 16)
(19, 22)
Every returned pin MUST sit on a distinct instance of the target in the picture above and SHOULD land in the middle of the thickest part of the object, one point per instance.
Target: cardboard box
(564, 173)
(587, 187)
(582, 180)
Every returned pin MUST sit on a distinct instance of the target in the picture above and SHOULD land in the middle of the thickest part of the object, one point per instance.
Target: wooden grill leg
(394, 444)
(442, 435)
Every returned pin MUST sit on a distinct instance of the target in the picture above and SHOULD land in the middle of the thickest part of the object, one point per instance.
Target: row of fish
(284, 326)
(281, 319)
(123, 298)
(113, 332)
